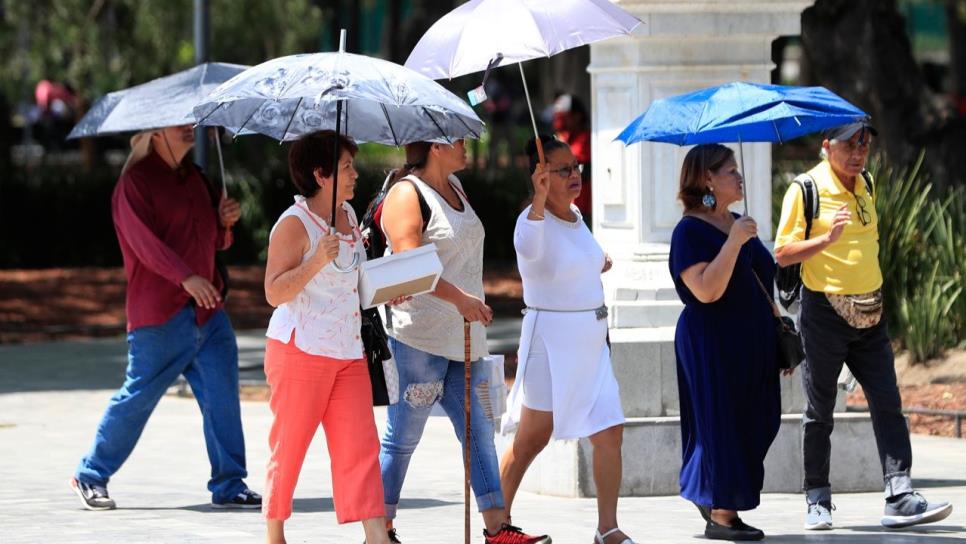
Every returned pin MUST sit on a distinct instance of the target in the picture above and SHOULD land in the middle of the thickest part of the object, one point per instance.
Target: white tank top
(426, 322)
(325, 314)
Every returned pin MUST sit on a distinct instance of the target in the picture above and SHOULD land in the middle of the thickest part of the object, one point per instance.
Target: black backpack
(374, 338)
(372, 235)
(788, 280)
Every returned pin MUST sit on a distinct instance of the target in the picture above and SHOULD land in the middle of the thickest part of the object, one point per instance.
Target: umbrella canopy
(741, 112)
(377, 101)
(481, 34)
(163, 102)
(466, 39)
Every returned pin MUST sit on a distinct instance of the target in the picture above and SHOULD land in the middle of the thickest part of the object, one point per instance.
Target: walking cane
(467, 372)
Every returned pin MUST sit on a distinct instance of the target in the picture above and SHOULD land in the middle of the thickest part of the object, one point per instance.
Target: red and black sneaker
(508, 534)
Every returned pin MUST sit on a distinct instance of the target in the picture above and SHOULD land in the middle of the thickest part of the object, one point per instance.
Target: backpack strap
(869, 186)
(424, 208)
(810, 198)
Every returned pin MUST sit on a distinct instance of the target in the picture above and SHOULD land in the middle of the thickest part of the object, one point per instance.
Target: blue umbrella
(741, 112)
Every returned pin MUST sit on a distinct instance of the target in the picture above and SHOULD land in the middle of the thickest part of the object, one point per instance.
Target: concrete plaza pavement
(52, 395)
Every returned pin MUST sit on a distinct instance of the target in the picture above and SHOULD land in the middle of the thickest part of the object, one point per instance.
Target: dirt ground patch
(56, 304)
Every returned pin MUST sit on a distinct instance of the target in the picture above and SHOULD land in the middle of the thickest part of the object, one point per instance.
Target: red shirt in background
(579, 143)
(168, 228)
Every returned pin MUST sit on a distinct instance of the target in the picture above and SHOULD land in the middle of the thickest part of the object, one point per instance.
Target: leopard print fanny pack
(860, 311)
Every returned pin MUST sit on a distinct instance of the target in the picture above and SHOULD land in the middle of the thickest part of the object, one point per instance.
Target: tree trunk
(860, 50)
(956, 17)
(392, 29)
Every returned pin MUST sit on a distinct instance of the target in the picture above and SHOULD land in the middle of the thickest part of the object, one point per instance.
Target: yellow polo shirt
(849, 266)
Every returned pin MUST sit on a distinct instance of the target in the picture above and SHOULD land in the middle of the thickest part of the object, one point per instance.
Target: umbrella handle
(533, 119)
(467, 378)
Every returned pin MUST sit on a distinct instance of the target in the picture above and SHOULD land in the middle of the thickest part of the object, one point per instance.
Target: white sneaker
(819, 516)
(913, 509)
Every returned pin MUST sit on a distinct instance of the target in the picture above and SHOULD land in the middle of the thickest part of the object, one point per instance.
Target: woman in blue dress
(726, 346)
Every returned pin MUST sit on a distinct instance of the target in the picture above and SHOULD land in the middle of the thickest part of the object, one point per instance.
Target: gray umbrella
(163, 102)
(374, 100)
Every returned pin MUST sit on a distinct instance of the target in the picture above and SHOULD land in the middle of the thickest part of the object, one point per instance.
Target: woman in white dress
(565, 387)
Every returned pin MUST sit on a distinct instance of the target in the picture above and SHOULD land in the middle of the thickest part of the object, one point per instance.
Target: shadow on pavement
(63, 366)
(322, 504)
(924, 534)
(932, 482)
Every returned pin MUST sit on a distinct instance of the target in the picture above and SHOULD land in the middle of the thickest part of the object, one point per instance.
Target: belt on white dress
(600, 312)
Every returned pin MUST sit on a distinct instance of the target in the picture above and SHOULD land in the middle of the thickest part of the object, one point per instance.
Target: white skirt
(564, 367)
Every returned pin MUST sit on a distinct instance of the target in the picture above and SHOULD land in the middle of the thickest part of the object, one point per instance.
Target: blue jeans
(425, 379)
(157, 355)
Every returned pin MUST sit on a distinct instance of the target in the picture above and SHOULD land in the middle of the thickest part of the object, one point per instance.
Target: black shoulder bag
(790, 350)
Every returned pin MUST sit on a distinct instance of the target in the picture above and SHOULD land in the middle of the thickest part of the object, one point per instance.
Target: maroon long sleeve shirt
(168, 228)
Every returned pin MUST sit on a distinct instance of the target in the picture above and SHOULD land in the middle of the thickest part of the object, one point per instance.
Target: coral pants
(308, 390)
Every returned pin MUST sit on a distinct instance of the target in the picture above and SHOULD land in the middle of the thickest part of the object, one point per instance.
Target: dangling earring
(709, 200)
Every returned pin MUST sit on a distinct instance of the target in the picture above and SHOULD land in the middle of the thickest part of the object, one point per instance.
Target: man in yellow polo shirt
(841, 308)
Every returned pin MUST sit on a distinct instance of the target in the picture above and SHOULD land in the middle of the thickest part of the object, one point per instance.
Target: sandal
(600, 538)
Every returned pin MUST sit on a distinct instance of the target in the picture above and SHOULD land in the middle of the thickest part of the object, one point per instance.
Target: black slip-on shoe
(738, 530)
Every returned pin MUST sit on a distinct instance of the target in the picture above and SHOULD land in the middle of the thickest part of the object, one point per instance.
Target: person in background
(170, 222)
(572, 126)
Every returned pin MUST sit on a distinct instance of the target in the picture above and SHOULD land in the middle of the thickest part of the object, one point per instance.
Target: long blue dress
(727, 372)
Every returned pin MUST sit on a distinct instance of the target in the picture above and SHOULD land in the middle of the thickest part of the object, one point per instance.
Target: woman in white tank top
(314, 358)
(426, 333)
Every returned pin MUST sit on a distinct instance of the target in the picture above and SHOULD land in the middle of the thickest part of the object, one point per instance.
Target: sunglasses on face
(864, 216)
(851, 147)
(568, 171)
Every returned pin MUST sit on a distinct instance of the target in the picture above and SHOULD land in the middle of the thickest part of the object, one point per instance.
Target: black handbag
(790, 350)
(375, 344)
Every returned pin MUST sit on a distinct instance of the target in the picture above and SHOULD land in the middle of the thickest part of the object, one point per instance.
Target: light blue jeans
(424, 380)
(157, 355)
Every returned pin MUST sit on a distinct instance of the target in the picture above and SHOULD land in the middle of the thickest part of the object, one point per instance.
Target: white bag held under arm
(408, 273)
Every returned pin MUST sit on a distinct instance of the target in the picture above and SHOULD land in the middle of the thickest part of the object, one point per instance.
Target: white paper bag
(494, 400)
(392, 379)
(408, 273)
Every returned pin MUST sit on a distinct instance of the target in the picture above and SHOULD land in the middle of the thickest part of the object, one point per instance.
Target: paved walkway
(51, 396)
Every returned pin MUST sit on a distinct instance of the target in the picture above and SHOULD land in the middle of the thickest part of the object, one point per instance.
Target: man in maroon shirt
(170, 222)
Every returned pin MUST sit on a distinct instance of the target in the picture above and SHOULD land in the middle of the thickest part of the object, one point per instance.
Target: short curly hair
(314, 152)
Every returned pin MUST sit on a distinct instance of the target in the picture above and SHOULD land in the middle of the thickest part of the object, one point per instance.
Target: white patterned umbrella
(163, 102)
(378, 101)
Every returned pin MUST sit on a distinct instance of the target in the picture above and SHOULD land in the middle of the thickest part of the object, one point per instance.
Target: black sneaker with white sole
(247, 499)
(93, 497)
(911, 509)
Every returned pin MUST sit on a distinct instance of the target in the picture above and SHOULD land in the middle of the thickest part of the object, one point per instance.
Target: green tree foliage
(98, 46)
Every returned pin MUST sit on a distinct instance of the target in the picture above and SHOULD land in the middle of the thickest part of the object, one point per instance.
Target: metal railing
(957, 416)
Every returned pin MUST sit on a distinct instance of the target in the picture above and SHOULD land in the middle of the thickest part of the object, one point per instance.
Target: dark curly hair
(549, 144)
(314, 152)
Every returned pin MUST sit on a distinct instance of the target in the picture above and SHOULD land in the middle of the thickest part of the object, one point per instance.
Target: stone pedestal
(682, 46)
